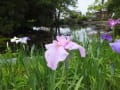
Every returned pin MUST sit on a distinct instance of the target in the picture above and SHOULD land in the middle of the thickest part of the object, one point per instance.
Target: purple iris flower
(116, 46)
(106, 37)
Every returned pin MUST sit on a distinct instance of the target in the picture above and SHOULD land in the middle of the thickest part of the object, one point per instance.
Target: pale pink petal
(72, 46)
(82, 51)
(62, 40)
(47, 46)
(62, 54)
(54, 55)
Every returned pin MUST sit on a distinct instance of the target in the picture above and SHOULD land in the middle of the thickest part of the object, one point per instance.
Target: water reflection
(81, 33)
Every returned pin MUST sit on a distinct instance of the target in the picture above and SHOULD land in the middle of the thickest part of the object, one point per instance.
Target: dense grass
(99, 70)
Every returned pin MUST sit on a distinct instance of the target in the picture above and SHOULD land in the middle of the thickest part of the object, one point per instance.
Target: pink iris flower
(57, 51)
(112, 22)
(118, 20)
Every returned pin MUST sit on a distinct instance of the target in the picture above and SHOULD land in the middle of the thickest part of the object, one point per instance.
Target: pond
(82, 33)
(77, 32)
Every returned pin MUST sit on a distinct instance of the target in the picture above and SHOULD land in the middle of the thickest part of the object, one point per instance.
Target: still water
(81, 33)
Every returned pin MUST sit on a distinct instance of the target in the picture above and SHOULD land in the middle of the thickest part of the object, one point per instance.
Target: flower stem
(113, 33)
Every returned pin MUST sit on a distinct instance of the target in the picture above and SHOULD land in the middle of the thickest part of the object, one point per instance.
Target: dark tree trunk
(57, 23)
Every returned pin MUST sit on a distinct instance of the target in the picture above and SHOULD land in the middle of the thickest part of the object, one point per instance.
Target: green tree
(12, 13)
(61, 7)
(98, 5)
(74, 17)
(17, 13)
(114, 7)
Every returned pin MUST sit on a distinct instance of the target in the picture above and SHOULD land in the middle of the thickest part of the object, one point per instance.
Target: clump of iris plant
(115, 46)
(20, 40)
(106, 37)
(57, 51)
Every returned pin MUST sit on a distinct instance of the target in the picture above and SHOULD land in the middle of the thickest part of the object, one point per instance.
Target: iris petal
(54, 55)
(72, 46)
(115, 46)
(56, 51)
